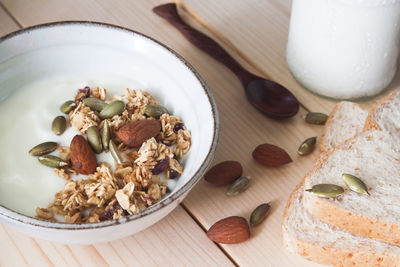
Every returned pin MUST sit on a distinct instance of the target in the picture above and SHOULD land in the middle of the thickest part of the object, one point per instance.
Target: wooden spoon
(267, 96)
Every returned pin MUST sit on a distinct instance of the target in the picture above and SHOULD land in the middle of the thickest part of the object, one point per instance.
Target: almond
(135, 133)
(231, 230)
(224, 173)
(271, 155)
(83, 158)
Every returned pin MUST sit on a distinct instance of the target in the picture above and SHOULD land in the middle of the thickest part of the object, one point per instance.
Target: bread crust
(370, 123)
(330, 213)
(352, 222)
(322, 147)
(331, 255)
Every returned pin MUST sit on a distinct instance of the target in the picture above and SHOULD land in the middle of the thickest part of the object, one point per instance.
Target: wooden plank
(7, 25)
(257, 31)
(242, 128)
(175, 241)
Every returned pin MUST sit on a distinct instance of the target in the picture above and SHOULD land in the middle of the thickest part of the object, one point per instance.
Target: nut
(94, 103)
(68, 106)
(59, 125)
(114, 108)
(224, 173)
(231, 230)
(94, 139)
(155, 111)
(52, 161)
(134, 134)
(271, 155)
(105, 135)
(83, 158)
(43, 148)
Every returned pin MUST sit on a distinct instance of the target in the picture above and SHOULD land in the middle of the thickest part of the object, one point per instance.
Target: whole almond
(135, 133)
(231, 230)
(83, 158)
(224, 173)
(271, 155)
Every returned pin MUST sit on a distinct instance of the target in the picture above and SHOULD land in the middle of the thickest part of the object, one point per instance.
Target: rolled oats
(131, 186)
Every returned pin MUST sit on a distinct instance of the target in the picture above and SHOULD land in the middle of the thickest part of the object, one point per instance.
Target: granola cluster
(126, 187)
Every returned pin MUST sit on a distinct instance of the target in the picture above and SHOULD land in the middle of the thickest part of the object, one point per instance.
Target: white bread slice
(346, 120)
(374, 157)
(320, 242)
(385, 114)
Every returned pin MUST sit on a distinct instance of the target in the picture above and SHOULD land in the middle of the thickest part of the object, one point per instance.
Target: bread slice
(385, 114)
(317, 241)
(346, 120)
(374, 157)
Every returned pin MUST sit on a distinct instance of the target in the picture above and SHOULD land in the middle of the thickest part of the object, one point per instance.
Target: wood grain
(177, 240)
(257, 31)
(7, 25)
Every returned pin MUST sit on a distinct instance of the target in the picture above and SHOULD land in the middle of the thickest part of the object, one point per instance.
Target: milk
(344, 49)
(25, 121)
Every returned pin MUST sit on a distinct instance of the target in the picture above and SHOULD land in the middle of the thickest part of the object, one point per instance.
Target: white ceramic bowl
(95, 51)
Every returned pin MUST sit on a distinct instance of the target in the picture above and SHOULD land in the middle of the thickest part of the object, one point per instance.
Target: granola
(129, 187)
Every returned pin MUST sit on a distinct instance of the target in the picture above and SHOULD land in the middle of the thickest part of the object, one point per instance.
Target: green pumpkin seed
(259, 214)
(112, 109)
(59, 125)
(105, 135)
(326, 190)
(94, 140)
(355, 183)
(307, 146)
(114, 152)
(68, 106)
(94, 103)
(155, 111)
(316, 118)
(238, 186)
(43, 148)
(52, 161)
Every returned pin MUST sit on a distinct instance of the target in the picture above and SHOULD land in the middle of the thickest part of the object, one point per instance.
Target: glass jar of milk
(344, 49)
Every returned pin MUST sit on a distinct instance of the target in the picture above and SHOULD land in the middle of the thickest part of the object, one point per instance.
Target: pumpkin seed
(43, 148)
(326, 190)
(67, 106)
(94, 139)
(238, 186)
(94, 103)
(105, 135)
(155, 111)
(316, 118)
(114, 108)
(307, 146)
(59, 125)
(355, 183)
(52, 161)
(259, 214)
(114, 152)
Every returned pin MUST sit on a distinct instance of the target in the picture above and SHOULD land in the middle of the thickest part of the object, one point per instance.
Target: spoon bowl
(271, 98)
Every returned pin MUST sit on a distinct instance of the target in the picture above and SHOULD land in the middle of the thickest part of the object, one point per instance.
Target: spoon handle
(170, 13)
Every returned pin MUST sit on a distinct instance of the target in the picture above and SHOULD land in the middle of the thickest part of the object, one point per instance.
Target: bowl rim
(31, 221)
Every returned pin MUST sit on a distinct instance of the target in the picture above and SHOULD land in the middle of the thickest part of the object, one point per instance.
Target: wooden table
(255, 32)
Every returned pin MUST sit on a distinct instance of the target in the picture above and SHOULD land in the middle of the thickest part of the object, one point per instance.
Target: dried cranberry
(173, 174)
(108, 214)
(178, 126)
(85, 91)
(161, 166)
(149, 199)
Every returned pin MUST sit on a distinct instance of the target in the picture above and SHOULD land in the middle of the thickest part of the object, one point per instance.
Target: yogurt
(25, 120)
(344, 49)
